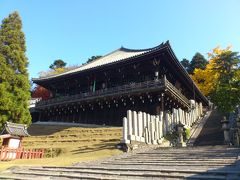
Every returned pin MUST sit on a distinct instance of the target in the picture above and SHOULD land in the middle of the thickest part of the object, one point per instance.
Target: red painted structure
(12, 136)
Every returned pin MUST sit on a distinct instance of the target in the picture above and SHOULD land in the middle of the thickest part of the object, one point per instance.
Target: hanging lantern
(116, 105)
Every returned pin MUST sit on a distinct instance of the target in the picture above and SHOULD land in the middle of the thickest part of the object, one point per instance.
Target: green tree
(14, 83)
(198, 61)
(57, 64)
(227, 93)
(93, 58)
(220, 80)
(186, 64)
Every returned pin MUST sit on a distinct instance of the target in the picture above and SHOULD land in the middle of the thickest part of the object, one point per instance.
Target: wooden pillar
(40, 116)
(162, 102)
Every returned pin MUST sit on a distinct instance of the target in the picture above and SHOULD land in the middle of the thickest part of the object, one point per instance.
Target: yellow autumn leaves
(206, 79)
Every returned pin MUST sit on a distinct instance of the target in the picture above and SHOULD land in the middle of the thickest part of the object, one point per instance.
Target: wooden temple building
(101, 91)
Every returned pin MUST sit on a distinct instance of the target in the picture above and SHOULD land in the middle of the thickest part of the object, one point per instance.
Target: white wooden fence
(143, 127)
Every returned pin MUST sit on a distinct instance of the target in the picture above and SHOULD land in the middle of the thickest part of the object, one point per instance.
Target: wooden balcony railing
(148, 86)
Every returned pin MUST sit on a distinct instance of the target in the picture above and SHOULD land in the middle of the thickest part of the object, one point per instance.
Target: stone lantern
(225, 128)
(238, 131)
(180, 129)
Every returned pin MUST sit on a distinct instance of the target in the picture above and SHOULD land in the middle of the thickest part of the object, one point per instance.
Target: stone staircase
(211, 133)
(205, 162)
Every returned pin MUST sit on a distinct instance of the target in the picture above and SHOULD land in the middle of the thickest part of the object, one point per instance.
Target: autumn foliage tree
(220, 80)
(41, 92)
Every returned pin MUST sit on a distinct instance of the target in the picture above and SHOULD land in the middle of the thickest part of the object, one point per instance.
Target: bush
(172, 137)
(53, 152)
(186, 134)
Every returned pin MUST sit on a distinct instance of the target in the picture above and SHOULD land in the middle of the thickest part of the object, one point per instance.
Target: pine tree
(186, 64)
(198, 61)
(14, 83)
(58, 64)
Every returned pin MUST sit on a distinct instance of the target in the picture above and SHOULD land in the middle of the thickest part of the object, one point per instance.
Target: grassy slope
(74, 144)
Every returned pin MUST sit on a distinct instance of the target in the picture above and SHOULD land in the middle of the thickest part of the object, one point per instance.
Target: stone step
(178, 158)
(190, 153)
(199, 149)
(154, 169)
(88, 174)
(190, 156)
(166, 164)
(187, 155)
(175, 167)
(20, 177)
(61, 175)
(170, 162)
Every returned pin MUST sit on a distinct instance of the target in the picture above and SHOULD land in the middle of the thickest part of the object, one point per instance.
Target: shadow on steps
(211, 133)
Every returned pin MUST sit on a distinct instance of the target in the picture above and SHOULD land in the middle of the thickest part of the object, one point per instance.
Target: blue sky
(74, 30)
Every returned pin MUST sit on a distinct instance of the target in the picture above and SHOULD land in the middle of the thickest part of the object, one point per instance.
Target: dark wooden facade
(143, 80)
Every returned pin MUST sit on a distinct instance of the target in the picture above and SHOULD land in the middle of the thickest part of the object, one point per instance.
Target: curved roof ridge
(139, 50)
(91, 62)
(119, 54)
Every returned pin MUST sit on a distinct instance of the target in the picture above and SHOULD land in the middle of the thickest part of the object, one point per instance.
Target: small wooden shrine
(13, 134)
(12, 148)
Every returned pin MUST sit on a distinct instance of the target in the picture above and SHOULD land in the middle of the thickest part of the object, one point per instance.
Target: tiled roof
(15, 129)
(115, 56)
